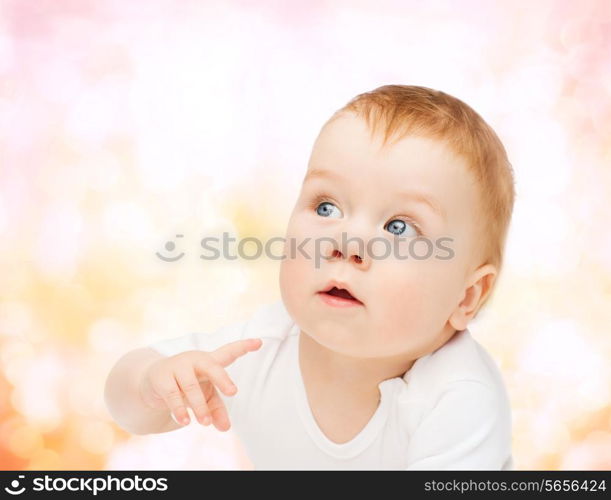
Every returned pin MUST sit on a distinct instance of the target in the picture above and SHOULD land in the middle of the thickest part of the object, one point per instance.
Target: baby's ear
(479, 285)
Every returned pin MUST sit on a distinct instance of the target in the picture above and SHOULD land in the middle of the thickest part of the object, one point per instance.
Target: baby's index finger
(228, 353)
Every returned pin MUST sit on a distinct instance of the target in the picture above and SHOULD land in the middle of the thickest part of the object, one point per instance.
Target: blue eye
(398, 226)
(325, 209)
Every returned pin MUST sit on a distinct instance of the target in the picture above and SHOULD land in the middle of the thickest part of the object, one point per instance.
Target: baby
(366, 362)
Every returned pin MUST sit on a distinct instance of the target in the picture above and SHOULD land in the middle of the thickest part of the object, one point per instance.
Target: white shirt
(449, 411)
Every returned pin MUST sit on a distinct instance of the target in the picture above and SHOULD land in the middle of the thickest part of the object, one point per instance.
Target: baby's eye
(398, 226)
(325, 209)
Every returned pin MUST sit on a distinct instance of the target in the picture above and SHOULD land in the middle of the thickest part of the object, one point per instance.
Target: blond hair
(403, 110)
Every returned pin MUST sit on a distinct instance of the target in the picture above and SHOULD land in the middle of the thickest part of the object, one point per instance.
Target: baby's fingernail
(206, 420)
(185, 421)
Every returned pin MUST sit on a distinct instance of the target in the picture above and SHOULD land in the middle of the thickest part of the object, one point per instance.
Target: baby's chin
(350, 331)
(332, 342)
(366, 340)
(344, 341)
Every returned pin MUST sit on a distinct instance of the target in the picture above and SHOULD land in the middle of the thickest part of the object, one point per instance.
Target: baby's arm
(468, 428)
(144, 390)
(123, 399)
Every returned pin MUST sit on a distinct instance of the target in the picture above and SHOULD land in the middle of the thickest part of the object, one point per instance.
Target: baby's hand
(194, 374)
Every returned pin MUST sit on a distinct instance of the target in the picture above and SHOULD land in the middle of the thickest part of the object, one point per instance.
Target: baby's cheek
(297, 273)
(411, 299)
(401, 309)
(292, 273)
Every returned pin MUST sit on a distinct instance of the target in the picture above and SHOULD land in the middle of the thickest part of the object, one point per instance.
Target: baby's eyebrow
(411, 195)
(423, 199)
(320, 173)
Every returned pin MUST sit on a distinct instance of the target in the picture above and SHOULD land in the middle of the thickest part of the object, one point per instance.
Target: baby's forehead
(348, 153)
(351, 139)
(412, 160)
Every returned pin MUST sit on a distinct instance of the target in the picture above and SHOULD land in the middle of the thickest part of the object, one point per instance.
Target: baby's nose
(339, 255)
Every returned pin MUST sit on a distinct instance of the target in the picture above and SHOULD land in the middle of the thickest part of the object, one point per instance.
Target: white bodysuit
(450, 411)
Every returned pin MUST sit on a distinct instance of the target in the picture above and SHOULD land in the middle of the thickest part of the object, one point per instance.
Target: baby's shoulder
(461, 359)
(270, 322)
(454, 409)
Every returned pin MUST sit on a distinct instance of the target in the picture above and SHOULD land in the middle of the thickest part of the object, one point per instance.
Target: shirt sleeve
(207, 342)
(468, 428)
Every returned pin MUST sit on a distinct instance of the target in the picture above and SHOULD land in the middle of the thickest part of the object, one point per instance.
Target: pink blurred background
(123, 124)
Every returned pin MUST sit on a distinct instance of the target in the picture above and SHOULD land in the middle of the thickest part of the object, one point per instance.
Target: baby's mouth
(341, 293)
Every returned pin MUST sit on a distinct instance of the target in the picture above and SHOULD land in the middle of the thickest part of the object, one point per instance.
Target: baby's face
(406, 304)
